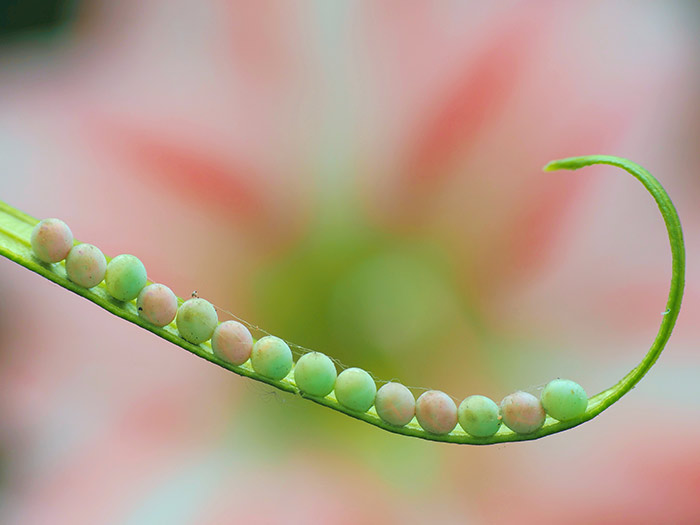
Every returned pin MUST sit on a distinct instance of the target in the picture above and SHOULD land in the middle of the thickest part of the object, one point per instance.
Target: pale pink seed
(232, 342)
(522, 412)
(157, 304)
(436, 412)
(395, 404)
(51, 240)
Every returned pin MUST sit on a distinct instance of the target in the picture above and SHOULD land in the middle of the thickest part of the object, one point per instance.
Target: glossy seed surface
(86, 265)
(436, 412)
(564, 399)
(355, 389)
(125, 277)
(157, 304)
(232, 342)
(196, 320)
(479, 416)
(522, 413)
(51, 240)
(271, 357)
(315, 374)
(395, 404)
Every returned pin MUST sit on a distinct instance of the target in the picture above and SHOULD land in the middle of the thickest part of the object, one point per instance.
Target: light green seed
(395, 404)
(355, 389)
(479, 416)
(157, 304)
(564, 399)
(271, 357)
(522, 413)
(51, 240)
(315, 374)
(125, 277)
(196, 320)
(86, 265)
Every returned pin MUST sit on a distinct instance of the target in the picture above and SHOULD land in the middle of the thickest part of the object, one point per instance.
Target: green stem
(15, 232)
(603, 400)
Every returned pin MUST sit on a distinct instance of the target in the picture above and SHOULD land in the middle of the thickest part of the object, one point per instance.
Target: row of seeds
(315, 373)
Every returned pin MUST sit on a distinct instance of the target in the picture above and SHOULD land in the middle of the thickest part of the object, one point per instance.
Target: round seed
(395, 404)
(479, 416)
(232, 342)
(196, 320)
(125, 277)
(271, 357)
(86, 265)
(355, 389)
(564, 400)
(51, 240)
(315, 374)
(436, 412)
(522, 412)
(157, 304)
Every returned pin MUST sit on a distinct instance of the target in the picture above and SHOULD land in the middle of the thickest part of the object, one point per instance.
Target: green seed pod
(232, 342)
(522, 413)
(315, 374)
(355, 389)
(436, 412)
(196, 320)
(125, 277)
(271, 357)
(564, 400)
(395, 404)
(479, 416)
(157, 304)
(86, 265)
(51, 240)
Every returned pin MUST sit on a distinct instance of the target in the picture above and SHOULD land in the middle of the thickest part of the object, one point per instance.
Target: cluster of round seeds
(125, 280)
(315, 373)
(561, 399)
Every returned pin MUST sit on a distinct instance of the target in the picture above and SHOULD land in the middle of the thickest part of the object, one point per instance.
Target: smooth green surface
(355, 389)
(315, 374)
(196, 320)
(125, 277)
(15, 232)
(479, 416)
(271, 357)
(564, 399)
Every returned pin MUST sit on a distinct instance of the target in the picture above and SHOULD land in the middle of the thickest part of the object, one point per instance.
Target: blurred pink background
(362, 178)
